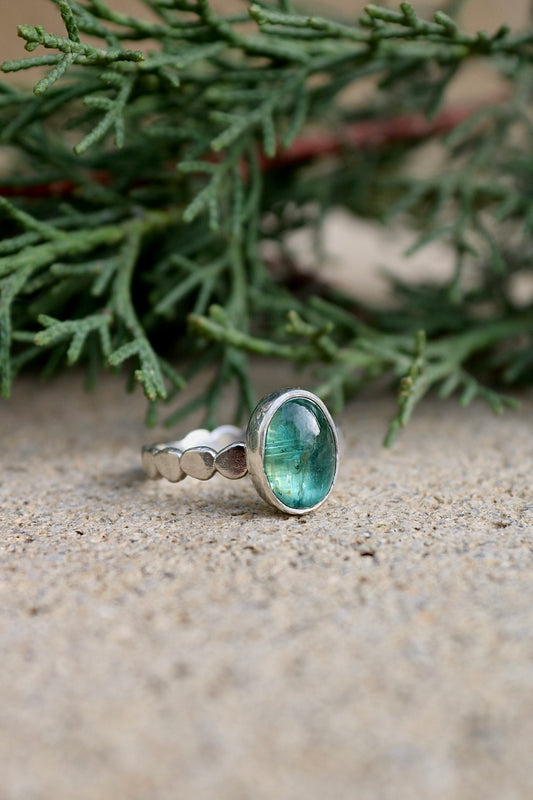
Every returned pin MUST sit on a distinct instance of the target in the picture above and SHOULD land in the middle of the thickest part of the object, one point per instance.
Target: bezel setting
(255, 445)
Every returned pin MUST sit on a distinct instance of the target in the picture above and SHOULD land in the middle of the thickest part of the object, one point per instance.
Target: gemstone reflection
(300, 454)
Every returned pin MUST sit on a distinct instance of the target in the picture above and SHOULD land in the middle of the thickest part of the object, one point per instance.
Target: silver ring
(290, 450)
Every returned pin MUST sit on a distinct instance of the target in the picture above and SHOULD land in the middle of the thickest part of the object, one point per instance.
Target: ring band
(289, 449)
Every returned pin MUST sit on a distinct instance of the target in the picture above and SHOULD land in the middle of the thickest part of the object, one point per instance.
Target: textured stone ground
(186, 642)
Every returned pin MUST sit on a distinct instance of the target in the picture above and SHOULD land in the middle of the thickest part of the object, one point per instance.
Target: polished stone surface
(300, 454)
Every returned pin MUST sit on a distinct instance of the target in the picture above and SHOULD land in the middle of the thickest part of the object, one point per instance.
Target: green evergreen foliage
(133, 217)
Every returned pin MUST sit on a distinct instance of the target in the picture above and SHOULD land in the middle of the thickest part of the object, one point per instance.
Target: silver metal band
(294, 472)
(200, 454)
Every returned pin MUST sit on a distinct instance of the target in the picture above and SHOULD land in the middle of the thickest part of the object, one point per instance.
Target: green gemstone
(300, 454)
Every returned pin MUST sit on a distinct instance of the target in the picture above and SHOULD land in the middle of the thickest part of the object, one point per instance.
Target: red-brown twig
(362, 135)
(367, 134)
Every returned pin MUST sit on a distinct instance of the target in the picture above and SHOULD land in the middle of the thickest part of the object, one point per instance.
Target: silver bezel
(255, 445)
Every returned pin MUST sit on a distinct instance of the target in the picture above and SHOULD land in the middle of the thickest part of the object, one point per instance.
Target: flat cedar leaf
(268, 118)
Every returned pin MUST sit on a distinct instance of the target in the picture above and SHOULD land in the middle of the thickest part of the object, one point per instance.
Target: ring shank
(200, 454)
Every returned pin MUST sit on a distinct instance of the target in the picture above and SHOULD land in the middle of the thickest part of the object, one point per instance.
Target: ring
(290, 450)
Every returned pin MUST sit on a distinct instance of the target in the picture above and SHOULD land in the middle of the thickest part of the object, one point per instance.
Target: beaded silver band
(293, 488)
(200, 454)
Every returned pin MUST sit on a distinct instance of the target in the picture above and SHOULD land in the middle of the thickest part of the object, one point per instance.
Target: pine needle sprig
(146, 182)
